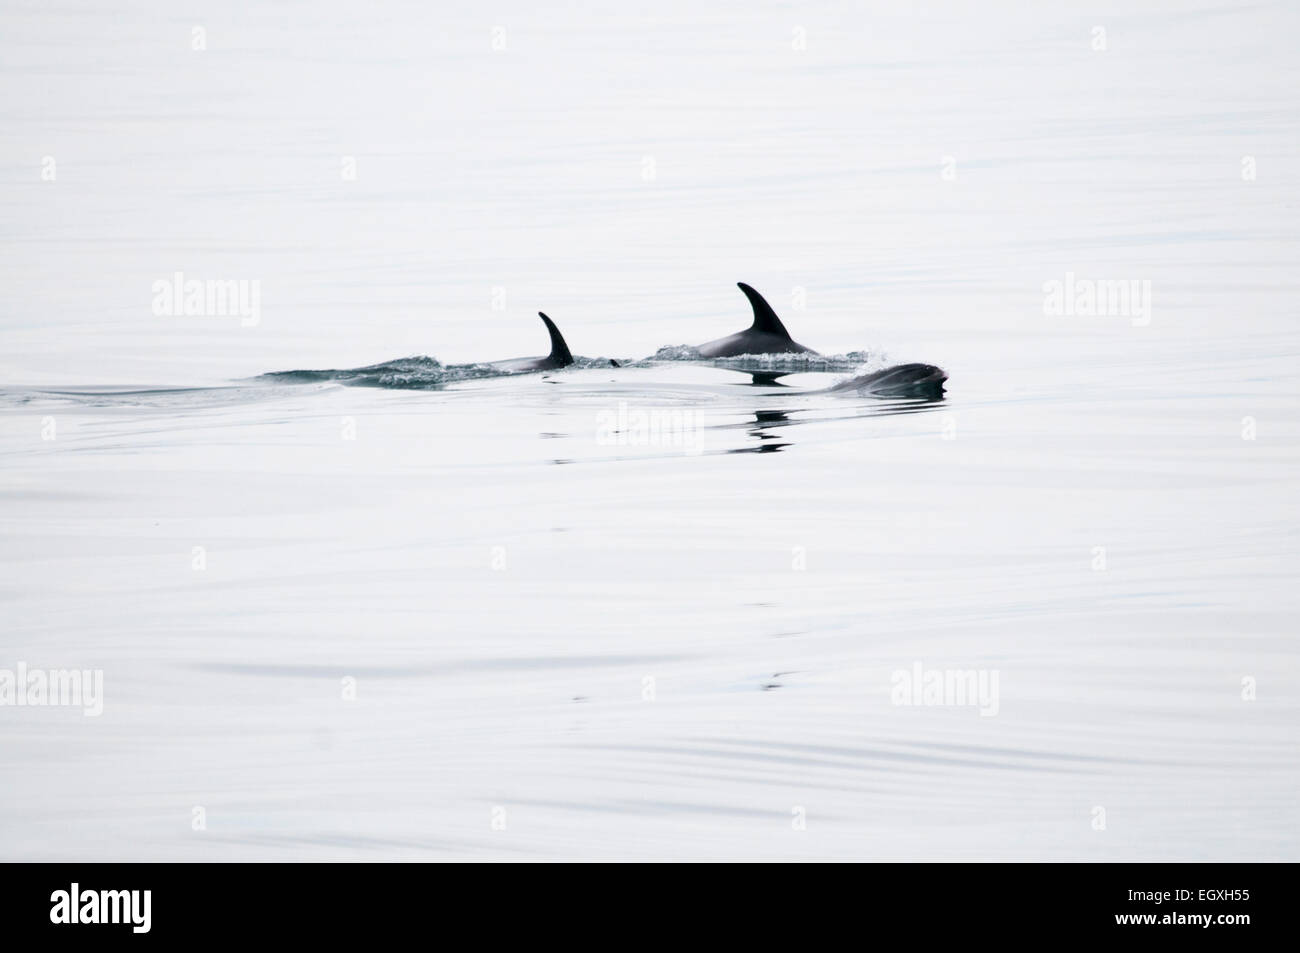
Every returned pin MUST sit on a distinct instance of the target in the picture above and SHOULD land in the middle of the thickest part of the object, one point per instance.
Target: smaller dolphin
(901, 380)
(767, 335)
(559, 356)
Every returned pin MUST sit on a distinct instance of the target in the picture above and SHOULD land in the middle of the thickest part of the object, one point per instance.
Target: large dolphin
(767, 335)
(559, 356)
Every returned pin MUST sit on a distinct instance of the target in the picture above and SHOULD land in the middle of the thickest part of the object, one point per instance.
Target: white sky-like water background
(501, 578)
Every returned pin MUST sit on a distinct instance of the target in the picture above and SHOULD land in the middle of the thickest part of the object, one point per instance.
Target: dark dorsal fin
(765, 318)
(559, 350)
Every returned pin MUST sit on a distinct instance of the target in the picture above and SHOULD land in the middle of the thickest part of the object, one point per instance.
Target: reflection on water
(767, 379)
(766, 422)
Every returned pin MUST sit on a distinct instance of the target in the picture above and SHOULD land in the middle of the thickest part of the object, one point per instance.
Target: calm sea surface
(669, 610)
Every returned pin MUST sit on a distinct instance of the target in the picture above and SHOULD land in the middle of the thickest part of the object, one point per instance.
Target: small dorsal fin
(765, 318)
(559, 350)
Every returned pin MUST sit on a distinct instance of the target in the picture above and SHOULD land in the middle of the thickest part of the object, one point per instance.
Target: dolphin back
(902, 380)
(765, 319)
(559, 356)
(767, 335)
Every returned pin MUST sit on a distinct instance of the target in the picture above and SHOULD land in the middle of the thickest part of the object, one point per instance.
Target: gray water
(656, 611)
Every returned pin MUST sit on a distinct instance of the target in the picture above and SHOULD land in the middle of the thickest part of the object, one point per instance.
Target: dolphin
(559, 356)
(901, 380)
(767, 335)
